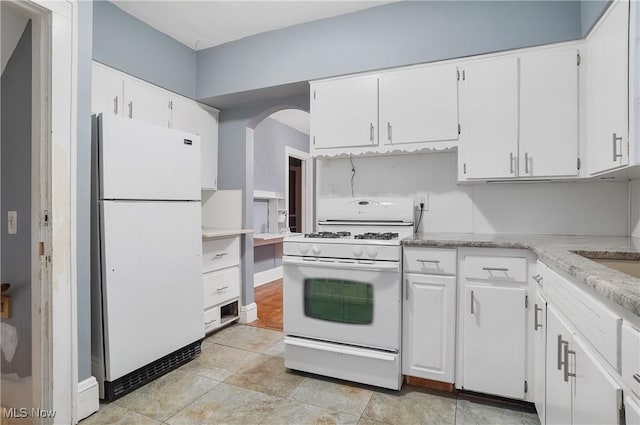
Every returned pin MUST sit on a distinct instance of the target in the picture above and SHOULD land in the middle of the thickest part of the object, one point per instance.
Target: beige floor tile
(167, 395)
(530, 418)
(227, 404)
(266, 374)
(277, 350)
(219, 361)
(473, 413)
(366, 421)
(411, 406)
(290, 411)
(112, 414)
(334, 396)
(246, 338)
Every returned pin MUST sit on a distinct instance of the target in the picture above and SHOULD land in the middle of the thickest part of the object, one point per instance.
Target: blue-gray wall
(128, 44)
(83, 192)
(269, 141)
(590, 12)
(396, 34)
(15, 169)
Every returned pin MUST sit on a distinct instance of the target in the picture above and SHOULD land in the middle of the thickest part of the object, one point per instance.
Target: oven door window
(338, 300)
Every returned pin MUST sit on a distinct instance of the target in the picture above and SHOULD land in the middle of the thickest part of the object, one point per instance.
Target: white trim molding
(248, 313)
(266, 276)
(88, 397)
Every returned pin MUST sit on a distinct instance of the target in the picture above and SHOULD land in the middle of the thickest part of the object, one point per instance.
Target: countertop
(558, 252)
(217, 233)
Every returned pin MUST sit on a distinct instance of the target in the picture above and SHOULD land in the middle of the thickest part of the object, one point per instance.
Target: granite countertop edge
(558, 252)
(216, 233)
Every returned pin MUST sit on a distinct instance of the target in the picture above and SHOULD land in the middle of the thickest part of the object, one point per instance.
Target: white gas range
(343, 292)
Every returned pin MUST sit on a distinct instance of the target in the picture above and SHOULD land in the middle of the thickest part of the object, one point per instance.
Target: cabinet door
(429, 327)
(597, 398)
(489, 103)
(344, 113)
(558, 391)
(539, 353)
(549, 113)
(419, 105)
(106, 91)
(146, 103)
(607, 91)
(494, 360)
(632, 411)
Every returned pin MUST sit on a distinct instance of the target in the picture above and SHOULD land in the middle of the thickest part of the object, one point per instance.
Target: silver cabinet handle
(616, 139)
(220, 255)
(406, 289)
(561, 342)
(511, 162)
(389, 130)
(536, 325)
(115, 105)
(526, 163)
(371, 132)
(429, 261)
(566, 362)
(222, 289)
(131, 110)
(636, 377)
(495, 269)
(209, 322)
(537, 278)
(472, 302)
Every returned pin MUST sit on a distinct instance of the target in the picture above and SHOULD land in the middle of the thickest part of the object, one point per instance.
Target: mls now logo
(14, 412)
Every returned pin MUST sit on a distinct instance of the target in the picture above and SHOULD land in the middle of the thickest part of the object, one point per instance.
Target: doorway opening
(295, 195)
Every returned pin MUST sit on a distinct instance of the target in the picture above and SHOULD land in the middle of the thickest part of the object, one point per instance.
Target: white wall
(546, 208)
(634, 210)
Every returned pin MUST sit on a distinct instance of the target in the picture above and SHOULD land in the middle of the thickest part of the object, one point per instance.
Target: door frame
(53, 163)
(307, 204)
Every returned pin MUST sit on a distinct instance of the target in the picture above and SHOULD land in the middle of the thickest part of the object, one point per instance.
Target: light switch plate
(12, 222)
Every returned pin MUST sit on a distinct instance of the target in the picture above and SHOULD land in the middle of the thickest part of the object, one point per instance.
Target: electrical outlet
(12, 222)
(422, 198)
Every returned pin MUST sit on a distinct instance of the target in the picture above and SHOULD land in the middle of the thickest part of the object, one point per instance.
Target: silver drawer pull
(561, 343)
(472, 302)
(636, 377)
(209, 322)
(115, 105)
(495, 269)
(429, 261)
(222, 289)
(536, 325)
(220, 255)
(616, 139)
(567, 374)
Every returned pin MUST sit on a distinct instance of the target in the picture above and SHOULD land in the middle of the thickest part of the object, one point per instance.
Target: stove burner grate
(328, 235)
(377, 236)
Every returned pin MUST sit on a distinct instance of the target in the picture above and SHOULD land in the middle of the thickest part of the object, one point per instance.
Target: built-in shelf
(277, 210)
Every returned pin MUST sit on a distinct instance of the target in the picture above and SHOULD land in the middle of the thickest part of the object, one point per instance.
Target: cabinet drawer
(507, 269)
(211, 318)
(631, 357)
(430, 260)
(221, 286)
(220, 253)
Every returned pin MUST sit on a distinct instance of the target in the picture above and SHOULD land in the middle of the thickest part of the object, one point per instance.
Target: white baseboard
(87, 397)
(248, 313)
(267, 276)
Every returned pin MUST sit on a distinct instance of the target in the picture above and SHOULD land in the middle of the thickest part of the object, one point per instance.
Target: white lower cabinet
(429, 313)
(540, 354)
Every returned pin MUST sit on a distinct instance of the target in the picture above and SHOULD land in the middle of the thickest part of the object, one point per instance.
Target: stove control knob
(315, 249)
(372, 252)
(357, 251)
(304, 249)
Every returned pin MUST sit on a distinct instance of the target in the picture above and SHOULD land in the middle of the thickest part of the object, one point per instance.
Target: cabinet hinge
(458, 74)
(579, 163)
(526, 387)
(463, 75)
(464, 168)
(459, 129)
(526, 304)
(578, 62)
(45, 217)
(171, 104)
(314, 95)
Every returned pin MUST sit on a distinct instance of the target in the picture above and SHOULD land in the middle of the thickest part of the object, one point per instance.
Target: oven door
(347, 301)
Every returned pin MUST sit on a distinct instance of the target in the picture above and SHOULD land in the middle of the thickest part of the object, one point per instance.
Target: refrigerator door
(151, 281)
(143, 161)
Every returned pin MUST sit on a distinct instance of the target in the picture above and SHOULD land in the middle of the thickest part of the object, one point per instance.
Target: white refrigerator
(147, 308)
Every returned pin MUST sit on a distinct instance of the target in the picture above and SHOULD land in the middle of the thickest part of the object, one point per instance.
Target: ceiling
(294, 118)
(203, 24)
(12, 25)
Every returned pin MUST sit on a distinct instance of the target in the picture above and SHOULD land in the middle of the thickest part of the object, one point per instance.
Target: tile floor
(240, 378)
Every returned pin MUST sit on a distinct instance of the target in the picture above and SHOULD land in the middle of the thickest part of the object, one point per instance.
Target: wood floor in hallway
(268, 297)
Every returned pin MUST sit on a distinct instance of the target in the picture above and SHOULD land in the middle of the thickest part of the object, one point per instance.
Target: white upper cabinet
(344, 113)
(144, 102)
(608, 90)
(107, 91)
(419, 105)
(548, 144)
(489, 107)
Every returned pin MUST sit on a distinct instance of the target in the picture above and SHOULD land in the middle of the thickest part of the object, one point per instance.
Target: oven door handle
(340, 349)
(336, 264)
